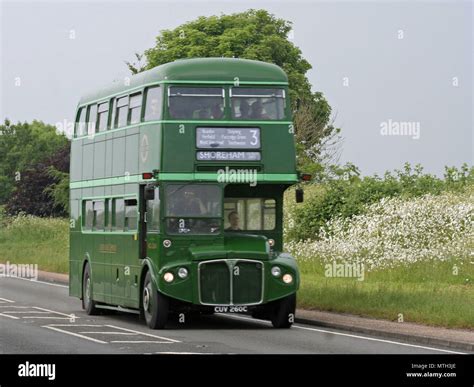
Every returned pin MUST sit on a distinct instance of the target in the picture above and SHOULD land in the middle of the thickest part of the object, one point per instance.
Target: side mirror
(299, 195)
(150, 192)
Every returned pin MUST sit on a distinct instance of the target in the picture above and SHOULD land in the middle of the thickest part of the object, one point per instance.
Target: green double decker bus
(177, 182)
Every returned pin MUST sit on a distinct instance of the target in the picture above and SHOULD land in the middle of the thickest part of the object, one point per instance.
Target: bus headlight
(287, 278)
(182, 272)
(271, 242)
(276, 271)
(168, 277)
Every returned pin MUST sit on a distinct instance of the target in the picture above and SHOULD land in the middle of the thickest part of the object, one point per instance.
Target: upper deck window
(80, 127)
(91, 119)
(103, 116)
(198, 103)
(121, 111)
(153, 104)
(135, 108)
(257, 103)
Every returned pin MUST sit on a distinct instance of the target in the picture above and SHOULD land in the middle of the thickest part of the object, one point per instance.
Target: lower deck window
(116, 214)
(193, 209)
(99, 215)
(131, 215)
(242, 214)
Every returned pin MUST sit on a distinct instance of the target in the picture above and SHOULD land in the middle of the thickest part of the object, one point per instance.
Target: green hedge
(342, 192)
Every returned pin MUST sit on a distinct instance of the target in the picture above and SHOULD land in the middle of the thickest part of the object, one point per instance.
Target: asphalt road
(40, 317)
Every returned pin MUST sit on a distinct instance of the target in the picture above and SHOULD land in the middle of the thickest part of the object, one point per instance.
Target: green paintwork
(202, 122)
(197, 71)
(197, 176)
(110, 164)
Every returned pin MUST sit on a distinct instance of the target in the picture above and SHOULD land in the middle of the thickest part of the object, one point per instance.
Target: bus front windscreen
(193, 209)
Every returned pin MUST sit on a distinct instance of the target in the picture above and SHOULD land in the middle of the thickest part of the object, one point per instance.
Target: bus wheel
(155, 305)
(283, 315)
(87, 302)
(260, 314)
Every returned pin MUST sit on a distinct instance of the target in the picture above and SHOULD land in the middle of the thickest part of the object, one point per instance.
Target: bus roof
(211, 70)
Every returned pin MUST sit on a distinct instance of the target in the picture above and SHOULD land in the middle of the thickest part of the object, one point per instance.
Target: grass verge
(32, 240)
(424, 292)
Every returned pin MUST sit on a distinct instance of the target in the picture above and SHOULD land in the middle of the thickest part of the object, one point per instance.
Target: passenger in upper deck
(244, 109)
(176, 112)
(217, 112)
(203, 114)
(257, 111)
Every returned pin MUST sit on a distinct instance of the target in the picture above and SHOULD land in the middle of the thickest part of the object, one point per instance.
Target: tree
(43, 189)
(258, 35)
(317, 139)
(22, 145)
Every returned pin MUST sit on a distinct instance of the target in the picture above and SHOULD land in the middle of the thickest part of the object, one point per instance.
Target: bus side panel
(131, 247)
(122, 270)
(91, 242)
(114, 271)
(150, 148)
(75, 259)
(178, 154)
(110, 248)
(75, 253)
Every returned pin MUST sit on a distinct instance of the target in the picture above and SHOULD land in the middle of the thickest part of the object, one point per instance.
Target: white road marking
(46, 318)
(13, 317)
(262, 321)
(52, 311)
(41, 282)
(124, 331)
(4, 300)
(54, 328)
(25, 311)
(189, 353)
(382, 341)
(74, 325)
(139, 342)
(35, 310)
(353, 336)
(145, 334)
(108, 333)
(15, 306)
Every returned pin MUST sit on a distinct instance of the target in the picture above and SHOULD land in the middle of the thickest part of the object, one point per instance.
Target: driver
(234, 221)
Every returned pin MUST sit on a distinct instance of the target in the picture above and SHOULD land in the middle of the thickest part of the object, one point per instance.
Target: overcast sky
(381, 65)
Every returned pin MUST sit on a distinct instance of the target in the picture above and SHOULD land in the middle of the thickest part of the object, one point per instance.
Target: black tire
(283, 314)
(154, 304)
(260, 313)
(88, 302)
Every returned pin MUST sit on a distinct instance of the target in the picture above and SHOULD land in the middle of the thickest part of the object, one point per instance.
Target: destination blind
(227, 138)
(227, 155)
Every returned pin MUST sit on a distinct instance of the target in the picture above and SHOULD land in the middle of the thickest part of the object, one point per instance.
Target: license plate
(230, 309)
